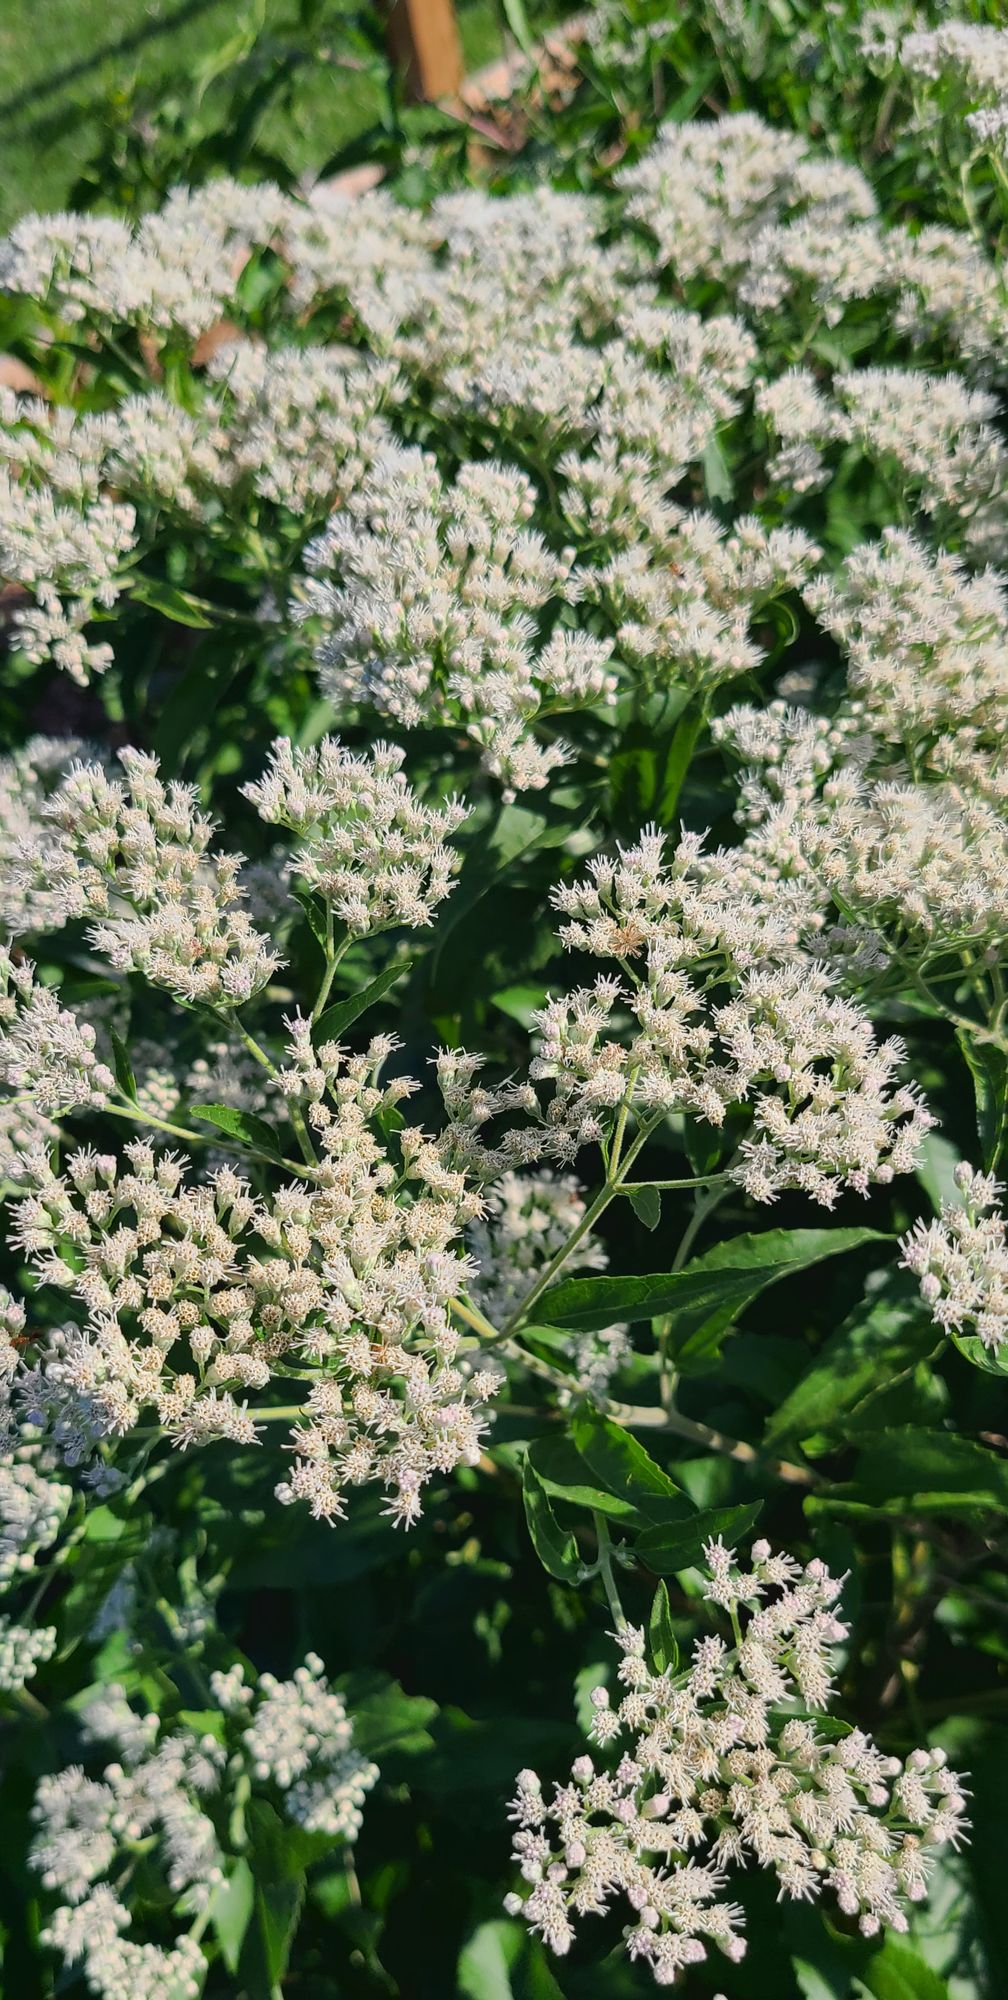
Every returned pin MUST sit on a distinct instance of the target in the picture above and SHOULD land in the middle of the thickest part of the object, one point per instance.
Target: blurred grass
(63, 62)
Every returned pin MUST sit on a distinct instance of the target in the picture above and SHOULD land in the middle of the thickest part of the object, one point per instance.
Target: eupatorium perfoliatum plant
(504, 1047)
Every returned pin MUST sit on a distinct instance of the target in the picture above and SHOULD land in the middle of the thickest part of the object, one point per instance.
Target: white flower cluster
(715, 1771)
(45, 1052)
(23, 1650)
(27, 777)
(926, 645)
(682, 608)
(723, 1011)
(300, 1739)
(366, 843)
(430, 598)
(173, 1790)
(301, 426)
(62, 539)
(884, 823)
(970, 57)
(174, 273)
(134, 856)
(33, 1508)
(961, 1261)
(79, 493)
(193, 1292)
(935, 432)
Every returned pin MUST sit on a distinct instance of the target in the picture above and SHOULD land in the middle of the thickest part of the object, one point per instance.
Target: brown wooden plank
(423, 40)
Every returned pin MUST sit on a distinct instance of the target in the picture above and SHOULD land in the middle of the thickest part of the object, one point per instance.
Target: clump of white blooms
(961, 1261)
(927, 656)
(723, 1011)
(134, 856)
(23, 1650)
(45, 1052)
(196, 1293)
(367, 844)
(300, 1738)
(27, 777)
(714, 1771)
(62, 538)
(33, 1508)
(682, 610)
(303, 426)
(175, 1789)
(429, 600)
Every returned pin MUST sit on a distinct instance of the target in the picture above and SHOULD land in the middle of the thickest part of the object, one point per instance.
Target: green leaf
(315, 914)
(231, 1908)
(278, 1871)
(707, 1296)
(519, 1003)
(646, 1205)
(988, 1066)
(502, 1962)
(178, 605)
(877, 1344)
(662, 1644)
(386, 1720)
(625, 1469)
(990, 1360)
(191, 706)
(927, 1472)
(331, 1024)
(564, 1475)
(241, 1125)
(517, 20)
(939, 1158)
(717, 476)
(557, 1550)
(653, 750)
(896, 1973)
(485, 1963)
(123, 1067)
(674, 1546)
(516, 833)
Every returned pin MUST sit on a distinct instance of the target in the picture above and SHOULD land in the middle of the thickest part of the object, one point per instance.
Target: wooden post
(423, 39)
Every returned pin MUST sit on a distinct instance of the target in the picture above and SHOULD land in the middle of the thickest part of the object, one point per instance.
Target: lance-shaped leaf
(332, 1023)
(707, 1296)
(555, 1547)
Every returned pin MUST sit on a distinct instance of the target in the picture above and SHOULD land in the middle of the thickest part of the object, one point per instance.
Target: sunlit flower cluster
(718, 1766)
(961, 1261)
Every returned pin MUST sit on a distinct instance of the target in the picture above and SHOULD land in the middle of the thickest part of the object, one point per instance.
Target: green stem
(333, 955)
(701, 1211)
(474, 1318)
(694, 1181)
(604, 1569)
(607, 1193)
(649, 1416)
(591, 1215)
(293, 1110)
(231, 1021)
